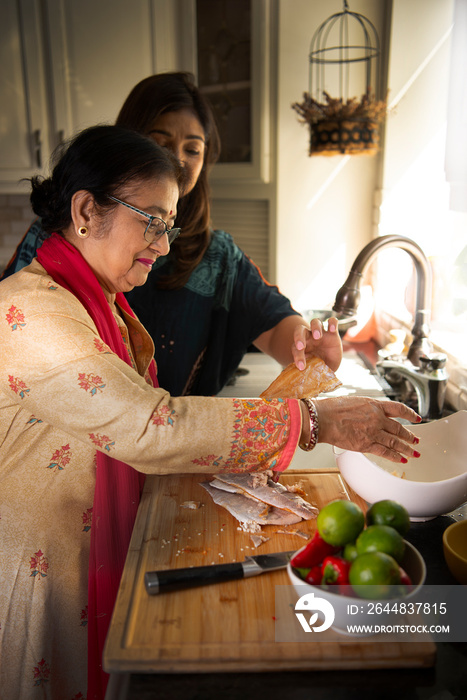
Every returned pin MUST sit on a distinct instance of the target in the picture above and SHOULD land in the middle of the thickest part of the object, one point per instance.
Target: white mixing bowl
(430, 485)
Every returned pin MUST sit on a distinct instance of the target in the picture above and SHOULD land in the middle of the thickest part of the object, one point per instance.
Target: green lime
(374, 575)
(350, 551)
(301, 572)
(340, 522)
(389, 513)
(381, 538)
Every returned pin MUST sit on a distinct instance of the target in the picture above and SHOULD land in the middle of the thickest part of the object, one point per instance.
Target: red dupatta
(118, 486)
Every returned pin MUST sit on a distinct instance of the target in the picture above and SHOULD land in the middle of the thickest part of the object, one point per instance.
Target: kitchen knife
(177, 579)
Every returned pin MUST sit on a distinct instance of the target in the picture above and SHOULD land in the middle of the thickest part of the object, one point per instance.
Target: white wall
(324, 203)
(415, 194)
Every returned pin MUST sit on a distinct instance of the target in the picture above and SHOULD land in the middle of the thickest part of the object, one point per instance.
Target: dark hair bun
(101, 160)
(44, 201)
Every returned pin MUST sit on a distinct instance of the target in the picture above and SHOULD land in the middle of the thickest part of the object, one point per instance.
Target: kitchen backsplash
(15, 217)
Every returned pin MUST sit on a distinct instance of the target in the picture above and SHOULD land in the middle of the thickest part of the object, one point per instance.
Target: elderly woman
(207, 303)
(82, 418)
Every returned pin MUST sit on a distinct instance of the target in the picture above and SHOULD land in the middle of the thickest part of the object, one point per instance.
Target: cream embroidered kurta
(64, 394)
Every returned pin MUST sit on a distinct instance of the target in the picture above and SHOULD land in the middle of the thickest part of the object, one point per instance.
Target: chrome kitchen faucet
(424, 370)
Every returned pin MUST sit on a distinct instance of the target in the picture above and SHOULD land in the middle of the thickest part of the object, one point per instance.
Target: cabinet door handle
(37, 145)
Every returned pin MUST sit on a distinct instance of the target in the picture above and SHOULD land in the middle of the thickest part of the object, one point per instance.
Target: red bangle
(313, 413)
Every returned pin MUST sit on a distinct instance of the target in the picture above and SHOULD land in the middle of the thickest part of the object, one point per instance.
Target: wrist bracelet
(313, 413)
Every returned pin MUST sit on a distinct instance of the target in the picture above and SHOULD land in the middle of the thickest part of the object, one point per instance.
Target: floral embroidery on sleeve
(101, 346)
(60, 458)
(87, 520)
(41, 672)
(15, 318)
(163, 416)
(90, 382)
(102, 441)
(39, 565)
(33, 420)
(18, 386)
(51, 287)
(261, 431)
(209, 460)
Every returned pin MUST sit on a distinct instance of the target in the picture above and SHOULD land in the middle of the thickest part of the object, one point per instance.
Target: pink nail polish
(403, 460)
(301, 365)
(300, 345)
(316, 335)
(416, 454)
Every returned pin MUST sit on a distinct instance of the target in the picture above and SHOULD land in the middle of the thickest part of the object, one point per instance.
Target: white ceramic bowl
(412, 562)
(428, 486)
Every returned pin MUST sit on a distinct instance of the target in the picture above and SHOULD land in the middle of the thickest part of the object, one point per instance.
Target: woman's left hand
(317, 341)
(362, 424)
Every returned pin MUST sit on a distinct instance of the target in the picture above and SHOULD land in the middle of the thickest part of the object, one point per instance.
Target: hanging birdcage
(344, 60)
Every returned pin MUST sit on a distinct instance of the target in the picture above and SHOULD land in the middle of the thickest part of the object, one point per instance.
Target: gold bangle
(313, 413)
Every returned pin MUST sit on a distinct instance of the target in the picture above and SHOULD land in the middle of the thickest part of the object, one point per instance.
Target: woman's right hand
(362, 424)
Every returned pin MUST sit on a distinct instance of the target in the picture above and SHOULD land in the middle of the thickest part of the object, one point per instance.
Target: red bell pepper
(314, 575)
(405, 578)
(335, 570)
(314, 553)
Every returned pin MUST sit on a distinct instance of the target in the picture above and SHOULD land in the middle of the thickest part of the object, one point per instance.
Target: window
(416, 194)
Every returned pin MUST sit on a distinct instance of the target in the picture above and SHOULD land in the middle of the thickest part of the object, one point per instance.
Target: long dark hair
(170, 92)
(101, 160)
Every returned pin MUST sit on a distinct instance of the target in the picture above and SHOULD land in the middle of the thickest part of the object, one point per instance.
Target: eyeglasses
(156, 226)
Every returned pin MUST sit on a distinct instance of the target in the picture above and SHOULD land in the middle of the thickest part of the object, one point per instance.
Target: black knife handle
(177, 579)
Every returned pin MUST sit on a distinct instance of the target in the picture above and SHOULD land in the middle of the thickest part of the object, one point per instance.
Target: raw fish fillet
(293, 383)
(248, 511)
(267, 491)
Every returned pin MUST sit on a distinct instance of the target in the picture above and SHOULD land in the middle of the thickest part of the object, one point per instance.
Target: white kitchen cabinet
(221, 86)
(66, 65)
(24, 118)
(98, 52)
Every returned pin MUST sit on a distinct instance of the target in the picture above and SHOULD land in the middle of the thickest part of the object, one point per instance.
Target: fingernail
(416, 440)
(416, 454)
(403, 460)
(301, 365)
(316, 335)
(419, 419)
(300, 345)
(332, 328)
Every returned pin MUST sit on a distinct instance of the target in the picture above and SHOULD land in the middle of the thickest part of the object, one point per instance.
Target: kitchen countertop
(257, 371)
(446, 680)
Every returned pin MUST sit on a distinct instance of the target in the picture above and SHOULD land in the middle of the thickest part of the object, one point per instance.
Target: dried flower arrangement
(338, 127)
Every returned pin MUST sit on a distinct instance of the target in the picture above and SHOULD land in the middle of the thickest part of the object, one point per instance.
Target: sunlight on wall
(418, 204)
(321, 292)
(328, 182)
(418, 207)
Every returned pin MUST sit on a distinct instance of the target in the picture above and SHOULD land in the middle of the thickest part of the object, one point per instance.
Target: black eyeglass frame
(172, 233)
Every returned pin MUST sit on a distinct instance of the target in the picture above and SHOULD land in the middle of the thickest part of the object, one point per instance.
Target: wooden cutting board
(228, 626)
